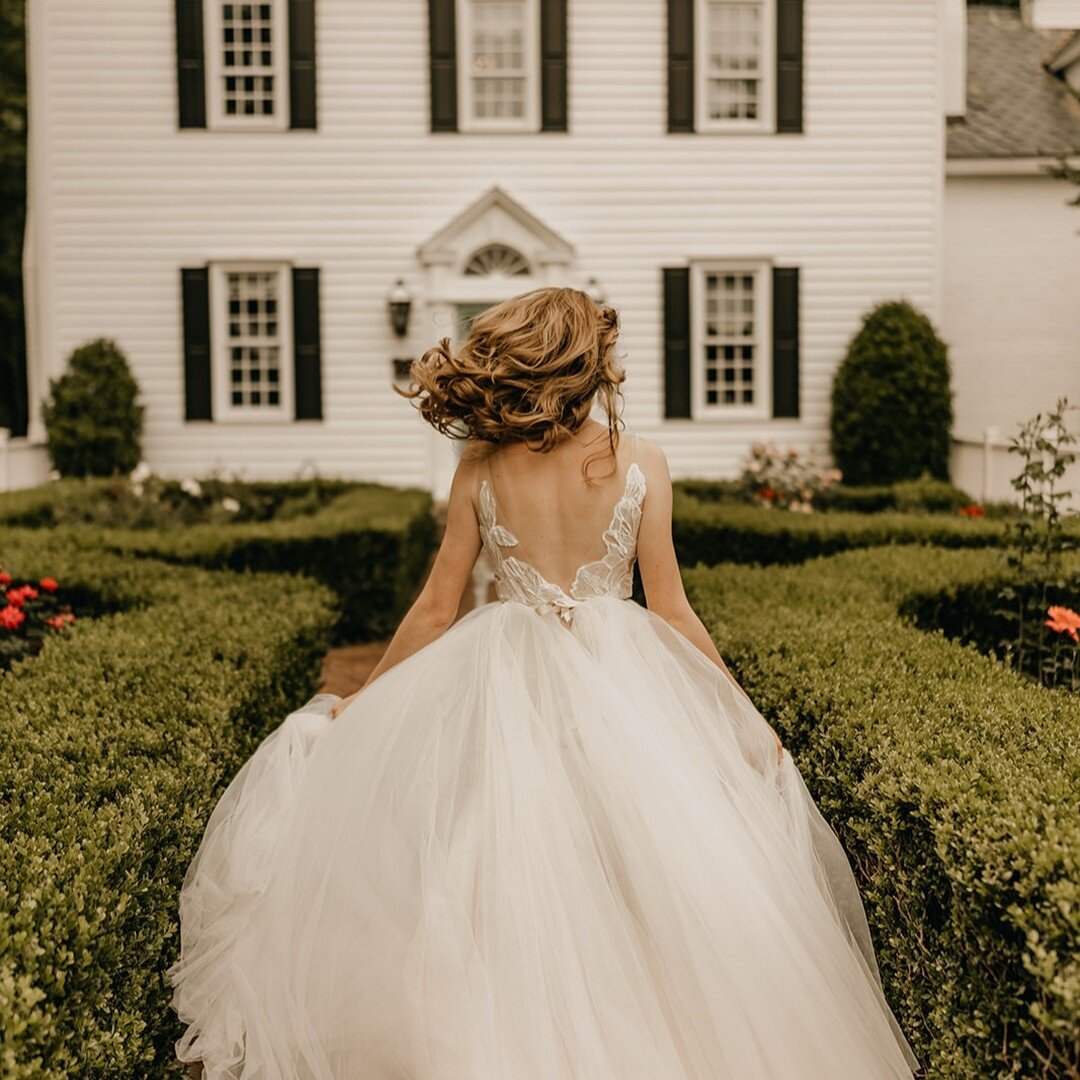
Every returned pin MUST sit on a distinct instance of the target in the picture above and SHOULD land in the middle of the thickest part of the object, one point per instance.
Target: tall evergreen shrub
(93, 420)
(891, 401)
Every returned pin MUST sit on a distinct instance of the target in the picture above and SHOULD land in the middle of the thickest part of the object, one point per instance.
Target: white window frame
(766, 118)
(467, 120)
(224, 409)
(217, 117)
(761, 408)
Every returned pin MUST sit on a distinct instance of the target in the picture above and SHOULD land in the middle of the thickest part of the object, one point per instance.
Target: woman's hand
(340, 706)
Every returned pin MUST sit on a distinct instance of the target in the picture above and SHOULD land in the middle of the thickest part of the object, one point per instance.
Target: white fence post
(991, 437)
(5, 460)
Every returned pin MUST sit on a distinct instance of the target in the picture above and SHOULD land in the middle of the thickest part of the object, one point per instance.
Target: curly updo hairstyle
(528, 372)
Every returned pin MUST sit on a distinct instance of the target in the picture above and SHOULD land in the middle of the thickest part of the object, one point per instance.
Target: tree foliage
(891, 401)
(12, 213)
(93, 420)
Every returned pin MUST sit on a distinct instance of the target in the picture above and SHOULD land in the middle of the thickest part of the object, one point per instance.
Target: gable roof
(1015, 107)
(494, 200)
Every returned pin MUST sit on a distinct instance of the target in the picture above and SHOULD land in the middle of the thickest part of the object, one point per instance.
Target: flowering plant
(29, 612)
(1064, 663)
(973, 510)
(785, 478)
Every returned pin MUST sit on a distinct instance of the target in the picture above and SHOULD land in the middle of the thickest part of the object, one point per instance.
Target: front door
(447, 452)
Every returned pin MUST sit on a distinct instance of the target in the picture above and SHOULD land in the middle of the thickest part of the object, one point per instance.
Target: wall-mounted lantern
(398, 305)
(596, 291)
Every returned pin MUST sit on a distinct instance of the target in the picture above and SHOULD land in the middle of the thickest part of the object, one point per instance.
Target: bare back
(555, 521)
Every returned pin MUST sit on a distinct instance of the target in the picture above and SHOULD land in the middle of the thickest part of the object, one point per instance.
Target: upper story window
(247, 62)
(498, 64)
(736, 47)
(253, 341)
(730, 337)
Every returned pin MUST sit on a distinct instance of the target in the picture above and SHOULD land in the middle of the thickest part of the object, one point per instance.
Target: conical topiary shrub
(93, 421)
(891, 401)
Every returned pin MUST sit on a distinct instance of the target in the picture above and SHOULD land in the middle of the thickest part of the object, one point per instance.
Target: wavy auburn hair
(528, 372)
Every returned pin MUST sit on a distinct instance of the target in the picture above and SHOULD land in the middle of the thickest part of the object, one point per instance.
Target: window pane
(498, 59)
(735, 61)
(730, 347)
(254, 340)
(247, 39)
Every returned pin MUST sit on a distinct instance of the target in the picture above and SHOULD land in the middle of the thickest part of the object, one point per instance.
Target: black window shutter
(195, 293)
(302, 109)
(785, 341)
(680, 60)
(190, 64)
(307, 352)
(442, 43)
(553, 103)
(677, 342)
(789, 66)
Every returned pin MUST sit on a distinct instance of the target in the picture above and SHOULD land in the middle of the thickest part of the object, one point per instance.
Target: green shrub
(910, 496)
(370, 544)
(159, 503)
(93, 421)
(981, 614)
(891, 402)
(115, 743)
(952, 783)
(710, 533)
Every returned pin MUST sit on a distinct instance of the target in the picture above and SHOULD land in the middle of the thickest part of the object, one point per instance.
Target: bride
(551, 840)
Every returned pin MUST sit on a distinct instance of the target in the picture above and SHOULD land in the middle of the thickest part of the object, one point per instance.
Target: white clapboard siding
(1012, 297)
(123, 200)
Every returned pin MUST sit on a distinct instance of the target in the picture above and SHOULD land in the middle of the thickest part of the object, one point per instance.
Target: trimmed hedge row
(115, 743)
(87, 501)
(714, 532)
(370, 545)
(952, 782)
(923, 495)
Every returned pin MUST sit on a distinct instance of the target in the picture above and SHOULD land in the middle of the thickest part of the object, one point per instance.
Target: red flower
(49, 584)
(29, 592)
(1062, 620)
(11, 618)
(58, 622)
(15, 597)
(767, 494)
(972, 511)
(5, 578)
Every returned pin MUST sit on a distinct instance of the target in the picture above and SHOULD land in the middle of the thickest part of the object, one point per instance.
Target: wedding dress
(555, 844)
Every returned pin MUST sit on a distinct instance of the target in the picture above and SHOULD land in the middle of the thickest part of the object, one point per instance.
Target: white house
(232, 191)
(1012, 242)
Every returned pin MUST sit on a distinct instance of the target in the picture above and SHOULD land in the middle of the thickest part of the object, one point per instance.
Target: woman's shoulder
(647, 452)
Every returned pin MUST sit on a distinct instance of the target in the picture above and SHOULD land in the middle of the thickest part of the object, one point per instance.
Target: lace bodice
(612, 575)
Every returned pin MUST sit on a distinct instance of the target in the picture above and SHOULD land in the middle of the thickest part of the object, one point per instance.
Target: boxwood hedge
(115, 742)
(370, 544)
(710, 532)
(952, 782)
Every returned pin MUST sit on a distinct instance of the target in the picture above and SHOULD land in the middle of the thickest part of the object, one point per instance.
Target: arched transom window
(497, 259)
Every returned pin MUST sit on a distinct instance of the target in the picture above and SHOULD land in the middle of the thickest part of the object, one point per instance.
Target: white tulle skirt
(530, 852)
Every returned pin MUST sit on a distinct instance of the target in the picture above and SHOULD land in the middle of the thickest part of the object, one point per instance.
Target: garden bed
(115, 742)
(952, 782)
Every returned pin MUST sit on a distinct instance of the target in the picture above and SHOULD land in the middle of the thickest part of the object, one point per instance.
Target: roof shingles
(1015, 107)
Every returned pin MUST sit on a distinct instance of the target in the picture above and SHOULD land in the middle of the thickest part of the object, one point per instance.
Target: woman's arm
(660, 577)
(435, 609)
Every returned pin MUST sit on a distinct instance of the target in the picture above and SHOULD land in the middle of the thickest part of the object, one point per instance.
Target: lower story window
(730, 337)
(253, 349)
